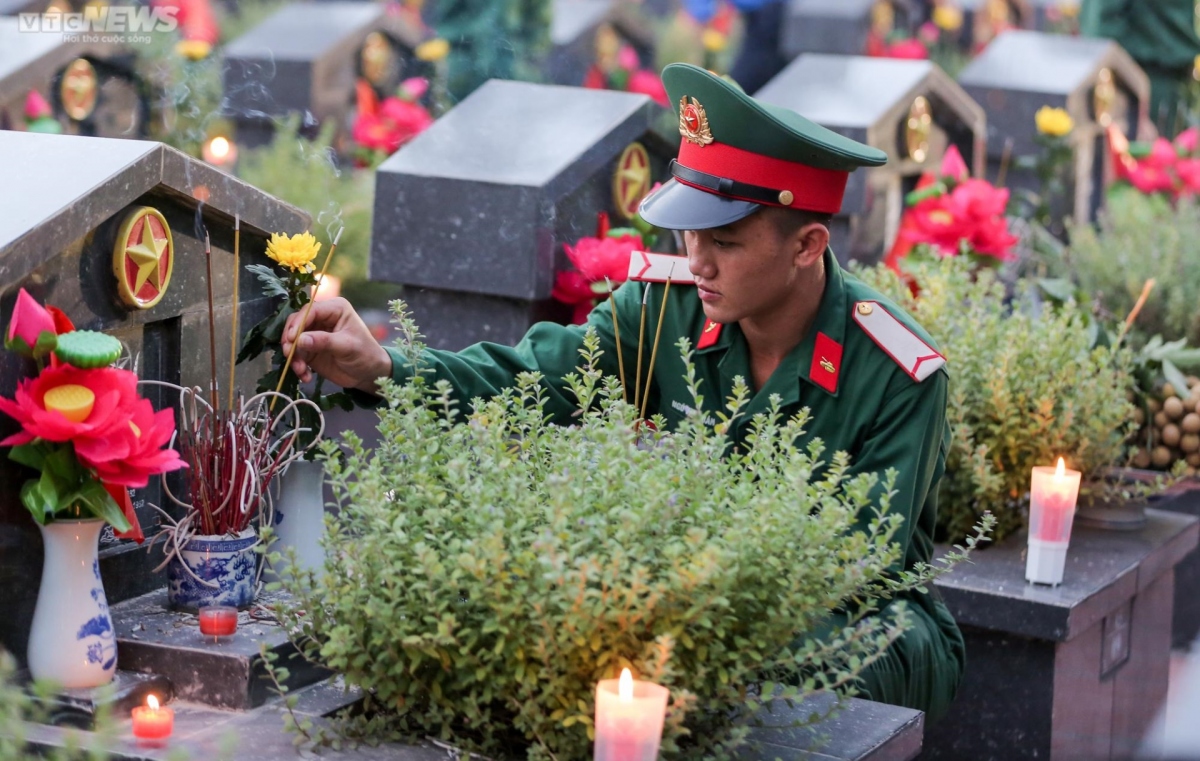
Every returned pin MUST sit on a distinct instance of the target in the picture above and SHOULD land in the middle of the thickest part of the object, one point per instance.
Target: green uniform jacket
(876, 412)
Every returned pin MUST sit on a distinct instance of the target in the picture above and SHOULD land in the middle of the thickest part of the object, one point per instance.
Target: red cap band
(811, 188)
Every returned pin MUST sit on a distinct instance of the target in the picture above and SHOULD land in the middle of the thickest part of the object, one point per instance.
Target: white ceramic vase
(300, 515)
(72, 642)
(227, 565)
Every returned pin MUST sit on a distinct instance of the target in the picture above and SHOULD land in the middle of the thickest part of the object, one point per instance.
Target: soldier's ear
(811, 242)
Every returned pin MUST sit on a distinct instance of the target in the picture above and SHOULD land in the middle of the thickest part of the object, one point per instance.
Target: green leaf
(1174, 377)
(101, 504)
(1058, 288)
(40, 498)
(273, 285)
(31, 455)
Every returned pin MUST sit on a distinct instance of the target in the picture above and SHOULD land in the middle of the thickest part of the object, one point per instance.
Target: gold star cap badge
(693, 122)
(143, 258)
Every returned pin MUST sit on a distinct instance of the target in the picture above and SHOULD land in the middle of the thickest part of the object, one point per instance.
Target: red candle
(151, 722)
(218, 620)
(629, 719)
(1052, 497)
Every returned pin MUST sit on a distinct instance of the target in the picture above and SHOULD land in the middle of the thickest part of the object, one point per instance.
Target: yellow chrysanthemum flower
(193, 50)
(432, 50)
(1055, 122)
(714, 41)
(948, 17)
(296, 252)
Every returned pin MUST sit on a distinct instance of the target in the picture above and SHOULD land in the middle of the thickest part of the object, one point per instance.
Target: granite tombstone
(306, 59)
(587, 33)
(1093, 79)
(474, 212)
(90, 83)
(845, 27)
(984, 20)
(60, 240)
(911, 110)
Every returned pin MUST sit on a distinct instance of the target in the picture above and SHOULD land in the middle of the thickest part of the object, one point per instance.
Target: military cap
(737, 155)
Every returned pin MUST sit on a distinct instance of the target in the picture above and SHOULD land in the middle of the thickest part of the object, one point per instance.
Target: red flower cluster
(605, 256)
(388, 125)
(627, 74)
(114, 433)
(1160, 167)
(951, 211)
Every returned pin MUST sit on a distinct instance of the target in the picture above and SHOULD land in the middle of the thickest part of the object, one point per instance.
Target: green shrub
(485, 571)
(1026, 387)
(1142, 237)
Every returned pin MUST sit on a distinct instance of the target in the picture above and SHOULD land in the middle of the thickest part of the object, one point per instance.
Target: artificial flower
(1187, 142)
(432, 50)
(714, 41)
(193, 50)
(909, 49)
(296, 252)
(64, 403)
(1055, 122)
(648, 83)
(948, 17)
(120, 495)
(408, 119)
(136, 451)
(36, 107)
(29, 324)
(953, 165)
(572, 288)
(928, 33)
(414, 88)
(600, 258)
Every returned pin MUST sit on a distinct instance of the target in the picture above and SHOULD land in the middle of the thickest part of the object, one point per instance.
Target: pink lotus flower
(28, 322)
(1188, 171)
(1188, 141)
(953, 165)
(648, 83)
(910, 49)
(627, 58)
(36, 107)
(598, 258)
(572, 288)
(395, 123)
(136, 451)
(414, 88)
(113, 393)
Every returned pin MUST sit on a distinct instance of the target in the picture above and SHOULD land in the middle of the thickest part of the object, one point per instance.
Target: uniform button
(865, 309)
(786, 197)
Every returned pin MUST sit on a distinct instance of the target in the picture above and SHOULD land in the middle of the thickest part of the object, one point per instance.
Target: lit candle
(219, 151)
(218, 620)
(151, 722)
(1052, 496)
(629, 718)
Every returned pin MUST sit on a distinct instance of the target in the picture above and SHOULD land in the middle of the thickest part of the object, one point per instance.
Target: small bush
(484, 571)
(1026, 387)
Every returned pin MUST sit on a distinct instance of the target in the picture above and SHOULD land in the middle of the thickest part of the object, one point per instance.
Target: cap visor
(676, 206)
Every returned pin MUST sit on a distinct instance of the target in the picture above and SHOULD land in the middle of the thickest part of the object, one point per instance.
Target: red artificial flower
(113, 395)
(982, 206)
(648, 83)
(408, 119)
(137, 450)
(953, 165)
(909, 49)
(595, 79)
(1188, 141)
(36, 107)
(600, 258)
(387, 126)
(29, 320)
(574, 289)
(1188, 171)
(120, 495)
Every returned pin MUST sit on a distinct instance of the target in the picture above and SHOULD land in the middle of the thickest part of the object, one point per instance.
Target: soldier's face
(749, 269)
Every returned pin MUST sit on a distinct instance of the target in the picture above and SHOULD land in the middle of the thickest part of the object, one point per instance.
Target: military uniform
(871, 377)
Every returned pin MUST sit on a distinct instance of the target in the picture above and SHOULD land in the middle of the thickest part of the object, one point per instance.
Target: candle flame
(625, 686)
(152, 702)
(1061, 470)
(219, 147)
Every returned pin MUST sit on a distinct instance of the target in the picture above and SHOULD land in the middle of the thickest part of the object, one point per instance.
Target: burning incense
(637, 375)
(307, 309)
(612, 307)
(233, 343)
(212, 323)
(662, 310)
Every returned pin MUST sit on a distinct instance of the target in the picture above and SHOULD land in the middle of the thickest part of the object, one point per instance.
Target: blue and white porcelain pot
(229, 565)
(72, 642)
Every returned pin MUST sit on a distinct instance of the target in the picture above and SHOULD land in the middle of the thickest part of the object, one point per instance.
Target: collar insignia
(826, 363)
(709, 335)
(693, 122)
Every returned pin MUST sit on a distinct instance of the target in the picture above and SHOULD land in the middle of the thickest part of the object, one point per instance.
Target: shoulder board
(916, 357)
(646, 267)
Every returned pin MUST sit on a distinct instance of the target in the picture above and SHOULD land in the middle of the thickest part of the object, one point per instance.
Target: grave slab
(843, 27)
(1074, 671)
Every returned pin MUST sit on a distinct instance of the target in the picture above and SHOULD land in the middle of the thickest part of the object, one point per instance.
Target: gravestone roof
(573, 17)
(851, 9)
(28, 58)
(69, 184)
(305, 31)
(518, 133)
(1039, 62)
(844, 91)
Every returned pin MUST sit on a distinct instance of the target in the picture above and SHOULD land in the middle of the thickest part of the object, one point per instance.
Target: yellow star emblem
(148, 257)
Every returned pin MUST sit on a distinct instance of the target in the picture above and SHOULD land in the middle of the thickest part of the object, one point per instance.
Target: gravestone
(306, 58)
(59, 239)
(911, 110)
(13, 7)
(584, 33)
(90, 83)
(1076, 671)
(1095, 80)
(474, 212)
(845, 27)
(984, 20)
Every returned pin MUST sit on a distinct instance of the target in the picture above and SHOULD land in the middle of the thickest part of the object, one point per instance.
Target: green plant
(1142, 237)
(486, 567)
(305, 173)
(187, 94)
(1027, 385)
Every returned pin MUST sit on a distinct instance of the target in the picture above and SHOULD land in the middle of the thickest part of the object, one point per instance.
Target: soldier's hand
(337, 345)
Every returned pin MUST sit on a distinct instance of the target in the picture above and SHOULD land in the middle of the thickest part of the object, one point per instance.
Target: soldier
(752, 189)
(1161, 37)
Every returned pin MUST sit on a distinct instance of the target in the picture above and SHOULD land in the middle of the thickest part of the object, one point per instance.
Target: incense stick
(212, 323)
(233, 343)
(662, 311)
(304, 319)
(637, 374)
(612, 307)
(1137, 308)
(1005, 157)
